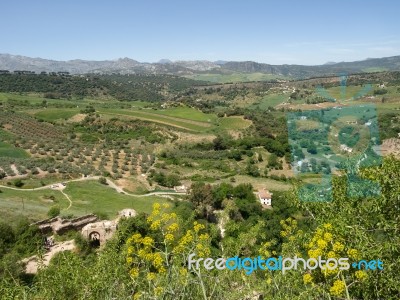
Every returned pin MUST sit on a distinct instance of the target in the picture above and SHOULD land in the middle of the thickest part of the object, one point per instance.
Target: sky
(277, 32)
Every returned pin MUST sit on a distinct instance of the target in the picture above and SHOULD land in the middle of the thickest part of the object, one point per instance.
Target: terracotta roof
(264, 194)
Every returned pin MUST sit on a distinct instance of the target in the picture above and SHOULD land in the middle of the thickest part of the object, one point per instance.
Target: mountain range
(184, 68)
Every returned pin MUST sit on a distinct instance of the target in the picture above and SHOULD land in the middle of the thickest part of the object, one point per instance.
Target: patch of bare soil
(391, 146)
(77, 118)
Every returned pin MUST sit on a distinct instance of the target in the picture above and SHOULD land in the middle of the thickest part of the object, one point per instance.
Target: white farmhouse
(265, 197)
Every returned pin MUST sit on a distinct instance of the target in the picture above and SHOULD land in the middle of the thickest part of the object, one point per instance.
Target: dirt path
(68, 198)
(60, 187)
(33, 263)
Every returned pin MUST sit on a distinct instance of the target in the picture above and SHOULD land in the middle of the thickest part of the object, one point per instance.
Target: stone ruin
(97, 232)
(59, 225)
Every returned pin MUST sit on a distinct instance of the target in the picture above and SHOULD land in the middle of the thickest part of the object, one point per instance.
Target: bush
(53, 212)
(103, 180)
(19, 183)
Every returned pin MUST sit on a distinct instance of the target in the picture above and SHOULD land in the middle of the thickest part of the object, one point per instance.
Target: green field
(164, 118)
(350, 91)
(259, 183)
(31, 98)
(54, 114)
(91, 196)
(233, 123)
(33, 204)
(87, 197)
(7, 150)
(269, 100)
(186, 113)
(235, 77)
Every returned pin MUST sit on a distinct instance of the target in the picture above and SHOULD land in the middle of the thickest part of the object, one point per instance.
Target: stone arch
(94, 238)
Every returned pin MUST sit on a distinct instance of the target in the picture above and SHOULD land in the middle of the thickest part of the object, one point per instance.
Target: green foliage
(201, 196)
(54, 211)
(169, 180)
(380, 92)
(19, 183)
(122, 87)
(103, 180)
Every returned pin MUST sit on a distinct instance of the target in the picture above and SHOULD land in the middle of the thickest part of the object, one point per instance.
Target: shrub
(53, 212)
(103, 180)
(19, 183)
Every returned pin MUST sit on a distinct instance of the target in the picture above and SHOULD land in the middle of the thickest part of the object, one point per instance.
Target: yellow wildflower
(204, 237)
(158, 291)
(148, 256)
(338, 247)
(330, 271)
(314, 253)
(148, 241)
(307, 278)
(332, 254)
(361, 275)
(134, 272)
(151, 276)
(157, 260)
(155, 225)
(169, 237)
(198, 227)
(142, 253)
(165, 217)
(328, 236)
(173, 227)
(322, 244)
(353, 253)
(328, 226)
(338, 288)
(183, 271)
(137, 237)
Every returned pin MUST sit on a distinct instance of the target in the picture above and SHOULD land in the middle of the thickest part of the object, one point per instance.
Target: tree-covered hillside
(121, 87)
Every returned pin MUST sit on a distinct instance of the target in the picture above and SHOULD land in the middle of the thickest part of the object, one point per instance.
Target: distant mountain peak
(165, 61)
(220, 62)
